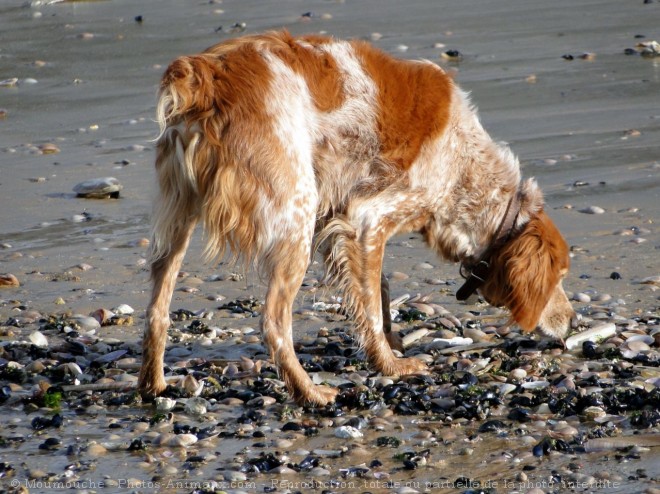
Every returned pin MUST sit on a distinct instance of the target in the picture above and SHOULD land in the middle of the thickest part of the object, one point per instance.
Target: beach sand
(83, 107)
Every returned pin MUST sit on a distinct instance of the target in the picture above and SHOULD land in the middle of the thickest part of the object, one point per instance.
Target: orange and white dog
(278, 143)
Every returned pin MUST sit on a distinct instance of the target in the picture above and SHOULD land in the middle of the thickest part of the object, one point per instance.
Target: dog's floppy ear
(529, 267)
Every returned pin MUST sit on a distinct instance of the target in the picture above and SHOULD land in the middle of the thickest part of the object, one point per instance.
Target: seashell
(413, 336)
(582, 297)
(8, 280)
(535, 384)
(518, 374)
(600, 332)
(191, 385)
(196, 406)
(124, 309)
(164, 404)
(447, 342)
(649, 49)
(348, 432)
(400, 300)
(648, 339)
(246, 363)
(650, 280)
(99, 188)
(592, 210)
(85, 323)
(422, 307)
(176, 440)
(38, 339)
(71, 368)
(476, 334)
(49, 148)
(631, 349)
(103, 316)
(9, 82)
(506, 388)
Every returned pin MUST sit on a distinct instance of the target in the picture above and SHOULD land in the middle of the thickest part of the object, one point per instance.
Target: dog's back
(259, 120)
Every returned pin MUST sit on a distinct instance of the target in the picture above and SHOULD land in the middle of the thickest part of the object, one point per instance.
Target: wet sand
(87, 73)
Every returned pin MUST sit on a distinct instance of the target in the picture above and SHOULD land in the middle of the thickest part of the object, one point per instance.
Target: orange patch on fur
(318, 68)
(413, 103)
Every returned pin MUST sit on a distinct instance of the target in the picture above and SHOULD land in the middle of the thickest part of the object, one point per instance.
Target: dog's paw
(405, 366)
(151, 388)
(317, 395)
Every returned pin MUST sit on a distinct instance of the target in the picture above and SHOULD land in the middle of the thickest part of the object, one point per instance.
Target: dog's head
(526, 276)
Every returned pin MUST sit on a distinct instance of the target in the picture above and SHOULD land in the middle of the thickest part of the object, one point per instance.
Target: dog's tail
(186, 91)
(184, 95)
(196, 172)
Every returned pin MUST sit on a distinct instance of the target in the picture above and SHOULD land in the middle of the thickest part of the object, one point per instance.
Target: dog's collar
(476, 273)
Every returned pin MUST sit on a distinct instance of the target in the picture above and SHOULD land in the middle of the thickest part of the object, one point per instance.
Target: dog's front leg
(371, 326)
(393, 337)
(354, 263)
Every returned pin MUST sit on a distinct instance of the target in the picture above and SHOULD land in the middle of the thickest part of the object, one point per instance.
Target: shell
(9, 280)
(38, 339)
(99, 188)
(602, 331)
(164, 404)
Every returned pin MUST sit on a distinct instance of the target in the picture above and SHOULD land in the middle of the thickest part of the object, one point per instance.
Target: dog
(281, 145)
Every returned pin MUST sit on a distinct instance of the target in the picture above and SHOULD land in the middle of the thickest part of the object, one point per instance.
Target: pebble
(95, 450)
(452, 55)
(582, 297)
(423, 266)
(592, 210)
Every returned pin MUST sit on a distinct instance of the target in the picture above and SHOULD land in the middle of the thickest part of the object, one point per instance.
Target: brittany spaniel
(281, 145)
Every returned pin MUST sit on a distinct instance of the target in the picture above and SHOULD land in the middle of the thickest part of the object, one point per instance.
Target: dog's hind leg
(164, 271)
(286, 266)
